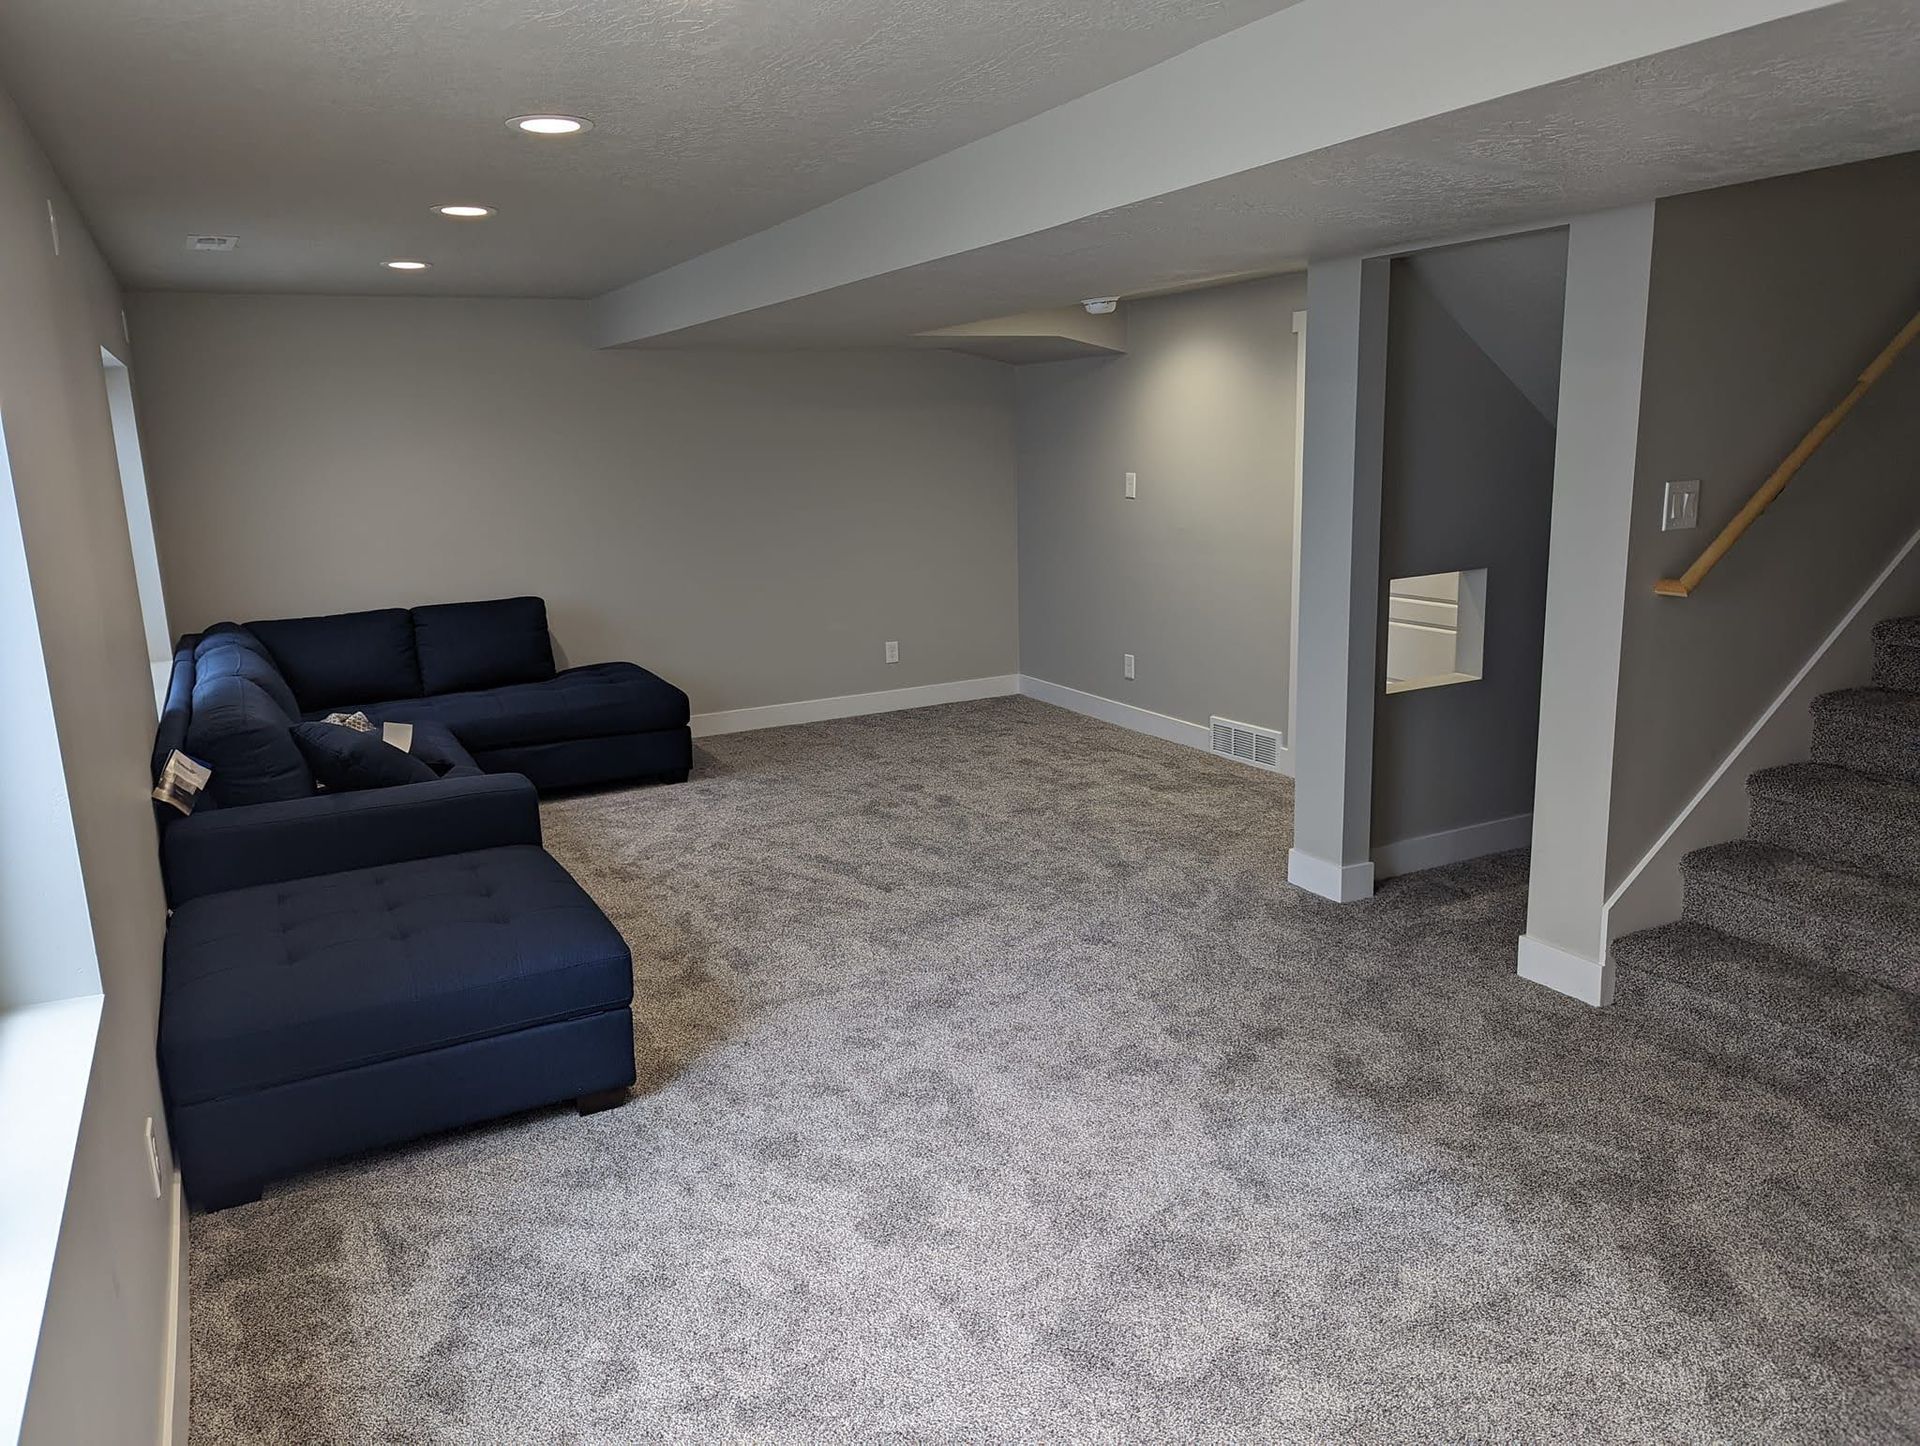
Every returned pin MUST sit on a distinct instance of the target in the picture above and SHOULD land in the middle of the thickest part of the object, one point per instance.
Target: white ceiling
(320, 133)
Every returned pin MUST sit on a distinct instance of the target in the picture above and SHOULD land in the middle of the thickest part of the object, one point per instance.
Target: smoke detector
(1100, 305)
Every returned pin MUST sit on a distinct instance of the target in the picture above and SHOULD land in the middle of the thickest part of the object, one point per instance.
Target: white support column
(1609, 265)
(1338, 614)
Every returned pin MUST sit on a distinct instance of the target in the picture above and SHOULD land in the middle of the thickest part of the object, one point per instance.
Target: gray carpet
(994, 1086)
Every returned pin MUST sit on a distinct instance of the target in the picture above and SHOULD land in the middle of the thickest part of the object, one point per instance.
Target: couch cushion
(345, 656)
(239, 732)
(596, 701)
(345, 760)
(464, 646)
(241, 655)
(292, 980)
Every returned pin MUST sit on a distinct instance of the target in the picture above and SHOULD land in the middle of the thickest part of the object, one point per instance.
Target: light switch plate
(1680, 508)
(1133, 484)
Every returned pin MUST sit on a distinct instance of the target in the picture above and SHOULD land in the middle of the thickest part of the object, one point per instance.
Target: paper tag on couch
(399, 735)
(181, 780)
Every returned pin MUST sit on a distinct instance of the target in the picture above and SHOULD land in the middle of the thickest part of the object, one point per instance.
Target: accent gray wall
(1467, 482)
(1194, 577)
(97, 1375)
(752, 526)
(1766, 301)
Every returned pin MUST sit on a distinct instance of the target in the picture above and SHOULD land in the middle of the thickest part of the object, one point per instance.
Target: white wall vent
(1258, 746)
(212, 243)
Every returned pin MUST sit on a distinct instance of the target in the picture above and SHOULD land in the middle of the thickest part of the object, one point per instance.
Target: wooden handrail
(1762, 499)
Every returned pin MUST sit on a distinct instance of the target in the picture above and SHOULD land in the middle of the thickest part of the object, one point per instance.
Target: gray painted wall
(1467, 482)
(97, 1374)
(1508, 293)
(753, 526)
(1766, 301)
(1194, 577)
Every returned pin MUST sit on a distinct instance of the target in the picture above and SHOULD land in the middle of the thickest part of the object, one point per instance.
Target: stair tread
(1833, 789)
(1881, 904)
(1736, 978)
(1889, 708)
(1898, 632)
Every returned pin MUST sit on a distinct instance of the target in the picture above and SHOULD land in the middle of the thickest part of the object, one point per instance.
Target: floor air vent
(1258, 746)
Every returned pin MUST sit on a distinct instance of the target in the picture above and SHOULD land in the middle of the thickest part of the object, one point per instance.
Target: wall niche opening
(1436, 629)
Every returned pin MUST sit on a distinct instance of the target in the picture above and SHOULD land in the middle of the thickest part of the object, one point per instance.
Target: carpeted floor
(995, 1086)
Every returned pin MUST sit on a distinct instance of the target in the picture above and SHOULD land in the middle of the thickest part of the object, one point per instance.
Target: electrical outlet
(893, 652)
(153, 1159)
(1133, 484)
(1126, 664)
(1680, 508)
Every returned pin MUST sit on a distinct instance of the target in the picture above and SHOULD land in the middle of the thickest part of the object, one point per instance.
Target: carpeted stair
(1811, 923)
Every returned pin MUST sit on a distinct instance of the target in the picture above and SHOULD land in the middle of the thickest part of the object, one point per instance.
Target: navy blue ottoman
(310, 1019)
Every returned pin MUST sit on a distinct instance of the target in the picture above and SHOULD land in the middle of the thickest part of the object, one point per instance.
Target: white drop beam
(1313, 76)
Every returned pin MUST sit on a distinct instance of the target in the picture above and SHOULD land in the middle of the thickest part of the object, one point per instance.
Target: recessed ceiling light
(550, 125)
(465, 213)
(401, 264)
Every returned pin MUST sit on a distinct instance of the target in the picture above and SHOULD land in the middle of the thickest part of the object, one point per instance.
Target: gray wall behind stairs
(1467, 482)
(753, 526)
(1195, 576)
(1766, 300)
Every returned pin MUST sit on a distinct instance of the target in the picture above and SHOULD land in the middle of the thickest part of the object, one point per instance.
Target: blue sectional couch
(349, 969)
(483, 670)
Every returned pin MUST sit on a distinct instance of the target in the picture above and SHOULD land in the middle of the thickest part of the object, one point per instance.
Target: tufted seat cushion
(598, 701)
(287, 981)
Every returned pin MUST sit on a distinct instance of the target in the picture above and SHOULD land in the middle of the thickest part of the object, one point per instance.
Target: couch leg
(604, 1100)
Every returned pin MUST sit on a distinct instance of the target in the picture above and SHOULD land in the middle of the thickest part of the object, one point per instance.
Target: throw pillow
(345, 759)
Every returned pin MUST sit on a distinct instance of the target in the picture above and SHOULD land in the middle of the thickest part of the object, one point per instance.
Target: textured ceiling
(320, 131)
(1832, 86)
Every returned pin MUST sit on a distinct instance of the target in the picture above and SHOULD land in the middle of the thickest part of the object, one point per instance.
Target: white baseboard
(1343, 883)
(1126, 715)
(852, 705)
(1588, 980)
(177, 1374)
(1651, 892)
(1451, 846)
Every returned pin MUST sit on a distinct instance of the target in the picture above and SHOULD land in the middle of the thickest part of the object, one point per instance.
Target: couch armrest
(264, 843)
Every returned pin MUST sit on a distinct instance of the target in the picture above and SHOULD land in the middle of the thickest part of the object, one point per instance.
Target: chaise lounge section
(309, 1016)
